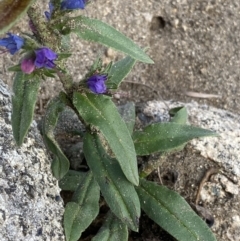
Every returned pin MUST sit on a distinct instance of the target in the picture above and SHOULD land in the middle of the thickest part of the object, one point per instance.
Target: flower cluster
(13, 43)
(96, 84)
(45, 57)
(42, 58)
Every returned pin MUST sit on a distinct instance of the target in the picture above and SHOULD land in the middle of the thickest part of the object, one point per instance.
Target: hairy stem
(50, 37)
(152, 164)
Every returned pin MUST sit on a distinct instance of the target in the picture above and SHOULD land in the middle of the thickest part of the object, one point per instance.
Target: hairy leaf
(127, 112)
(11, 11)
(179, 115)
(97, 31)
(23, 101)
(119, 71)
(100, 112)
(118, 192)
(60, 163)
(15, 68)
(170, 211)
(166, 137)
(83, 209)
(112, 230)
(71, 180)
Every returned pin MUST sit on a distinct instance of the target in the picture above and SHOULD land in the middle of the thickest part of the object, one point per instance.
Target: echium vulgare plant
(111, 145)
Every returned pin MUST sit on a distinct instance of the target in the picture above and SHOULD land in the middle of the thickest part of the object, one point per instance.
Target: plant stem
(152, 164)
(51, 38)
(45, 35)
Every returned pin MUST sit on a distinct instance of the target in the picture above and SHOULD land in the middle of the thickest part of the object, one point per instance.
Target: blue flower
(72, 4)
(49, 14)
(65, 5)
(45, 58)
(96, 84)
(13, 43)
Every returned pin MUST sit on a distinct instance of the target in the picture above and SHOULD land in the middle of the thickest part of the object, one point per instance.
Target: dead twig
(201, 95)
(205, 178)
(159, 176)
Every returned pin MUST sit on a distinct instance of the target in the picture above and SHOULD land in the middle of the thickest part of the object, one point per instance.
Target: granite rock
(30, 204)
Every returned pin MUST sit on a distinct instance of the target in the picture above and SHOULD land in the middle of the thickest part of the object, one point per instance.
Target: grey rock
(30, 204)
(224, 149)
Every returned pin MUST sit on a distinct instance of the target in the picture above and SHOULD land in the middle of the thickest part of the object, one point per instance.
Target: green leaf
(23, 102)
(118, 192)
(170, 211)
(62, 56)
(11, 11)
(166, 137)
(179, 115)
(119, 71)
(97, 31)
(49, 73)
(60, 163)
(127, 112)
(65, 42)
(15, 68)
(99, 111)
(83, 210)
(112, 230)
(71, 180)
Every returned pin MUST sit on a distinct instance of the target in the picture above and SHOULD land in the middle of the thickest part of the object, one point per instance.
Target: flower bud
(27, 65)
(96, 84)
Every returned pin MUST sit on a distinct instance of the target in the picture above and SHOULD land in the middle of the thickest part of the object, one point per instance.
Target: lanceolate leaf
(15, 68)
(97, 31)
(127, 112)
(165, 137)
(100, 112)
(119, 71)
(11, 11)
(118, 192)
(83, 209)
(170, 211)
(71, 180)
(112, 230)
(60, 163)
(179, 115)
(23, 101)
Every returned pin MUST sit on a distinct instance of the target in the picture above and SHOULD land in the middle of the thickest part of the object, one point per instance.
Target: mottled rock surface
(31, 208)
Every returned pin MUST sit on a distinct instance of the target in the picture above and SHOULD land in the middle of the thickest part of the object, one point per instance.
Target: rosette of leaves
(110, 144)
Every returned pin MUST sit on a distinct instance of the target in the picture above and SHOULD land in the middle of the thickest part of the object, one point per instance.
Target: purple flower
(96, 84)
(13, 43)
(72, 4)
(27, 65)
(66, 5)
(49, 14)
(45, 58)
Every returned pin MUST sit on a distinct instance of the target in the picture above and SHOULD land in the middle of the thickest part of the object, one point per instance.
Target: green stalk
(51, 38)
